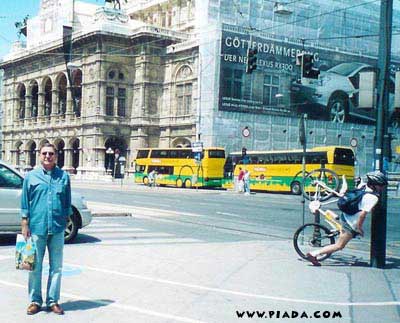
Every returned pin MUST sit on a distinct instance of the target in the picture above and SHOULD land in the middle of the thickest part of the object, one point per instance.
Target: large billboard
(276, 86)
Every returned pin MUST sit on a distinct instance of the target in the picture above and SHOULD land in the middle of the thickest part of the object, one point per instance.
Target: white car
(10, 205)
(335, 95)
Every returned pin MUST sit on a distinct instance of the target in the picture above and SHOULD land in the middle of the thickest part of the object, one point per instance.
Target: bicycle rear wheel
(313, 191)
(312, 236)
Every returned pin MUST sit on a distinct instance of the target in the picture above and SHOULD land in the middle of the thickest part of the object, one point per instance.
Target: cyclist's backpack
(348, 203)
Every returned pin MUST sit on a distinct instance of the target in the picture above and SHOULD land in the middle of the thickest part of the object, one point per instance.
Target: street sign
(197, 147)
(246, 132)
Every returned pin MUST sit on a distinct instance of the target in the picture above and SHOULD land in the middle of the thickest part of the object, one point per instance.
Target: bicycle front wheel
(311, 186)
(312, 236)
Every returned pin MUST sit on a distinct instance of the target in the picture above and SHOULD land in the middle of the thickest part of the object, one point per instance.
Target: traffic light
(251, 60)
(307, 67)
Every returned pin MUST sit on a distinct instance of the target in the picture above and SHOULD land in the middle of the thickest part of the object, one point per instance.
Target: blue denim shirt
(46, 200)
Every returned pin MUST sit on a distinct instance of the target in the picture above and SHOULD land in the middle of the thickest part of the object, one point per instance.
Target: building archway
(60, 145)
(77, 91)
(113, 146)
(48, 87)
(181, 143)
(75, 154)
(19, 155)
(31, 148)
(62, 94)
(35, 99)
(21, 101)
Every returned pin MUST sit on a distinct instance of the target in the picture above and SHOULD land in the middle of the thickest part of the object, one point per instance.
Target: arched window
(184, 91)
(115, 91)
(62, 95)
(35, 99)
(77, 92)
(21, 97)
(47, 97)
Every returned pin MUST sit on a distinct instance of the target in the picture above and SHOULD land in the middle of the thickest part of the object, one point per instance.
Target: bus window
(185, 153)
(165, 170)
(343, 156)
(173, 153)
(142, 153)
(140, 168)
(159, 153)
(213, 153)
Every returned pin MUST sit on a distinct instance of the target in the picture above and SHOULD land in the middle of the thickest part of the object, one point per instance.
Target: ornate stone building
(132, 85)
(165, 73)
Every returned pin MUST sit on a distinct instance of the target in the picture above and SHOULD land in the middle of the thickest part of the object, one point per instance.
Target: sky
(15, 10)
(12, 11)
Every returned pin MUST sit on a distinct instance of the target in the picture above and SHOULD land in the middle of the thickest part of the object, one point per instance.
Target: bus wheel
(295, 188)
(146, 180)
(179, 183)
(188, 183)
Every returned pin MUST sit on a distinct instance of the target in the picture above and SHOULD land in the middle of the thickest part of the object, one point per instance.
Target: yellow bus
(177, 167)
(281, 170)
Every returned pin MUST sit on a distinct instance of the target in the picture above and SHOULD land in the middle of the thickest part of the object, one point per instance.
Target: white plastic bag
(25, 253)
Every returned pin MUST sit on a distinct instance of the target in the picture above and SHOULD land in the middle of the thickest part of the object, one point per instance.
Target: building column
(37, 152)
(68, 160)
(40, 104)
(14, 157)
(27, 166)
(102, 103)
(28, 106)
(54, 102)
(70, 106)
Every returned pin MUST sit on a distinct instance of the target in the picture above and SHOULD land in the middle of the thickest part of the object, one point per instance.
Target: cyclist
(352, 225)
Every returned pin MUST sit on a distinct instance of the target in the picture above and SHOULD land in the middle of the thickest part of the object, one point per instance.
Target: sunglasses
(50, 153)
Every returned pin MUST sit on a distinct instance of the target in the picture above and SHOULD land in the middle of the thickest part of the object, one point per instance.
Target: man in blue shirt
(45, 207)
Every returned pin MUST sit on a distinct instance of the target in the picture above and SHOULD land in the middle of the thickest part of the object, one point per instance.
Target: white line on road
(112, 230)
(229, 214)
(135, 209)
(236, 293)
(116, 305)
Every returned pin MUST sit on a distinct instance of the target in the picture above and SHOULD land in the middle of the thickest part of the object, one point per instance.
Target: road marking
(116, 305)
(229, 214)
(111, 230)
(104, 207)
(5, 257)
(133, 240)
(237, 293)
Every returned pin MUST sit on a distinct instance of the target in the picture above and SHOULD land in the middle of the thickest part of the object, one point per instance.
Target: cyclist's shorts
(347, 227)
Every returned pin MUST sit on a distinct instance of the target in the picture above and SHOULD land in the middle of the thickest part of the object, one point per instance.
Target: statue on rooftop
(116, 3)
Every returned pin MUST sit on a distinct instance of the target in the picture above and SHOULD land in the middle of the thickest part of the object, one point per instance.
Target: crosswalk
(136, 211)
(121, 231)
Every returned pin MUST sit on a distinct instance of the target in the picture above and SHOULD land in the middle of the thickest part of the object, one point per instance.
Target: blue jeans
(55, 247)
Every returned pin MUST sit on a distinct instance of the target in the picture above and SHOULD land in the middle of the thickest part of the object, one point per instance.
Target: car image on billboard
(334, 95)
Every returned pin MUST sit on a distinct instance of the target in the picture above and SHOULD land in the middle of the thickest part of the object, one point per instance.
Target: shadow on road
(354, 261)
(82, 305)
(84, 238)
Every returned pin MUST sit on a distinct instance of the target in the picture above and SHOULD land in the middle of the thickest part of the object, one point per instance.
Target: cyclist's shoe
(312, 259)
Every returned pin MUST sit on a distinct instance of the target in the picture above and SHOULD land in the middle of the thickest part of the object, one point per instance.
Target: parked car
(10, 197)
(335, 95)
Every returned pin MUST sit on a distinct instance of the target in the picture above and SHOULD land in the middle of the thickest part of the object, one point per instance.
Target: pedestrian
(352, 225)
(240, 181)
(152, 178)
(246, 182)
(45, 208)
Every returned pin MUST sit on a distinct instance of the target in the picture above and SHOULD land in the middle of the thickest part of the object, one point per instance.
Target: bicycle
(318, 186)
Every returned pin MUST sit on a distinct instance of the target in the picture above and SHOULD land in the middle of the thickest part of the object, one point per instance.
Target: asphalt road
(201, 256)
(277, 215)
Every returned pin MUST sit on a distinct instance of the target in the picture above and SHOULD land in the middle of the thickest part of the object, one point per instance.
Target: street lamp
(109, 152)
